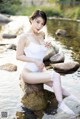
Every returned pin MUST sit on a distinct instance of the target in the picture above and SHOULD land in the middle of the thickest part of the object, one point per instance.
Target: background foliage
(9, 6)
(58, 8)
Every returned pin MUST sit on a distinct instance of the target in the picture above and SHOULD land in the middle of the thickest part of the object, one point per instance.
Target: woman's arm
(20, 50)
(21, 56)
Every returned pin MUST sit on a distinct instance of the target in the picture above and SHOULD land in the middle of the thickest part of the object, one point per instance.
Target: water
(10, 91)
(72, 40)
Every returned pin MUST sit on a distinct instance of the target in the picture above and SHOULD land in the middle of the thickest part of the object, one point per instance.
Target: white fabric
(66, 109)
(72, 97)
(36, 51)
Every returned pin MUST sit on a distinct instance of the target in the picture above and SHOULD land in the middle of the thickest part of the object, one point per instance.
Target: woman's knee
(24, 75)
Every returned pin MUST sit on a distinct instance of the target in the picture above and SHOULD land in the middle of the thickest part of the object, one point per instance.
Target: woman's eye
(38, 22)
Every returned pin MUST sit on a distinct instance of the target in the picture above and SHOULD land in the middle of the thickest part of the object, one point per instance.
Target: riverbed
(10, 91)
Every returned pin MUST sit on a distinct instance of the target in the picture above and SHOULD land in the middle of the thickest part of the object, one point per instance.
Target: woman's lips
(37, 29)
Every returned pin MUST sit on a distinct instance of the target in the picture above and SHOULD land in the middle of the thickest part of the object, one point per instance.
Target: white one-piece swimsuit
(36, 51)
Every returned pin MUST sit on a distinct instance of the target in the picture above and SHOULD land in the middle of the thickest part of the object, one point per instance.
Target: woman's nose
(39, 26)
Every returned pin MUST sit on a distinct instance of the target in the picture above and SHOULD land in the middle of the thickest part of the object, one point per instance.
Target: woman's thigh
(50, 83)
(38, 77)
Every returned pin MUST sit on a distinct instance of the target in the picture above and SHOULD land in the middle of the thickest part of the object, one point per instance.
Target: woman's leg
(44, 77)
(64, 91)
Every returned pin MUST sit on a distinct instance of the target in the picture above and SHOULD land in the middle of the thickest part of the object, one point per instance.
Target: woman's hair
(38, 13)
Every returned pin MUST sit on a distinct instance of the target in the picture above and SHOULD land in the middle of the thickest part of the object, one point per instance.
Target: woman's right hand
(40, 64)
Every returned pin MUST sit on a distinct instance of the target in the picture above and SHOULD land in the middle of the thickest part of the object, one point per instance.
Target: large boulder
(18, 25)
(34, 97)
(51, 108)
(66, 67)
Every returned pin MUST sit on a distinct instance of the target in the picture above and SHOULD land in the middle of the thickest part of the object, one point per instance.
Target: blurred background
(59, 8)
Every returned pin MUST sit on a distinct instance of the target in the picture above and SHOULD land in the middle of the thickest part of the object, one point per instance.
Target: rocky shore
(36, 97)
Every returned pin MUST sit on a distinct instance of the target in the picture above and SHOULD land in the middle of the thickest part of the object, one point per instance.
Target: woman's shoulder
(23, 35)
(42, 34)
(22, 38)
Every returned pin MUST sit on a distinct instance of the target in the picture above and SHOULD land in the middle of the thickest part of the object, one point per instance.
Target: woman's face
(37, 24)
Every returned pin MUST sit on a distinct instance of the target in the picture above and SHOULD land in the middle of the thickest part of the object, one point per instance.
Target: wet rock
(9, 36)
(66, 67)
(33, 97)
(12, 46)
(8, 67)
(50, 53)
(26, 114)
(59, 57)
(61, 32)
(4, 19)
(20, 115)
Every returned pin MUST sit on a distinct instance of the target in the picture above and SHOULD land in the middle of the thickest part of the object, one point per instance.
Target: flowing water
(10, 91)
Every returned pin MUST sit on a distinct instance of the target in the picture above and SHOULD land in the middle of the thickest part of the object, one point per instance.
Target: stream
(10, 91)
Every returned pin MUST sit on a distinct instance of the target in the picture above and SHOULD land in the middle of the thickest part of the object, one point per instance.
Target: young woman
(31, 50)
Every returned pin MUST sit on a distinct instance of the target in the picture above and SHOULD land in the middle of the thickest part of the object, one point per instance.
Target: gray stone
(59, 57)
(9, 36)
(49, 53)
(66, 67)
(61, 32)
(12, 46)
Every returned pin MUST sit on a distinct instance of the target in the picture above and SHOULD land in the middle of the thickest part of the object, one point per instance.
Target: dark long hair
(38, 13)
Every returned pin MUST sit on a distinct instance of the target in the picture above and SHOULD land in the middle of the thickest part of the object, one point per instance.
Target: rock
(18, 25)
(8, 67)
(34, 97)
(9, 36)
(59, 57)
(32, 114)
(49, 53)
(66, 67)
(61, 32)
(4, 19)
(50, 109)
(12, 46)
(25, 114)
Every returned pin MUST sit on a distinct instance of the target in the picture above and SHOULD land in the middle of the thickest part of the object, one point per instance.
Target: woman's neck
(33, 32)
(36, 36)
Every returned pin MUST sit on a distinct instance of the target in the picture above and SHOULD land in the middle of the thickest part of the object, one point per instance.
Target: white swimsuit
(36, 51)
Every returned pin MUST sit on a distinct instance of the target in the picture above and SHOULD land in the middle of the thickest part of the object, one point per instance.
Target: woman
(31, 50)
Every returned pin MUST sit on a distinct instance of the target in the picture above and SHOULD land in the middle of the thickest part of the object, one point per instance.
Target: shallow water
(72, 39)
(10, 91)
